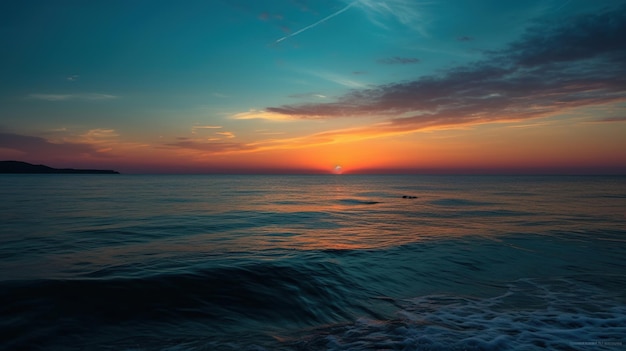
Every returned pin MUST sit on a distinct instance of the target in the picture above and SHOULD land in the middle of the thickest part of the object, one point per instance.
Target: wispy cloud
(195, 129)
(268, 132)
(67, 145)
(317, 23)
(405, 12)
(396, 60)
(220, 95)
(72, 78)
(103, 139)
(266, 16)
(228, 135)
(59, 130)
(68, 97)
(37, 147)
(612, 119)
(339, 79)
(100, 134)
(260, 114)
(211, 147)
(308, 96)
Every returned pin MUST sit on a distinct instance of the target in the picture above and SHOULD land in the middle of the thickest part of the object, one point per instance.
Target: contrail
(317, 23)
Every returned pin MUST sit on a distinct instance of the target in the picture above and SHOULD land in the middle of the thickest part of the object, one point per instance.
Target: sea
(312, 262)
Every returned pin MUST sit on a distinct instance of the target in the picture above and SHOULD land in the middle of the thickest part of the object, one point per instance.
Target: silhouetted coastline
(18, 167)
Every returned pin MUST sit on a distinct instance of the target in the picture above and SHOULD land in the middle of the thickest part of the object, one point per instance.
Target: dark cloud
(464, 38)
(584, 37)
(42, 148)
(398, 60)
(553, 67)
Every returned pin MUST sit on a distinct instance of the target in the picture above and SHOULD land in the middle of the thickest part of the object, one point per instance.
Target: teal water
(130, 262)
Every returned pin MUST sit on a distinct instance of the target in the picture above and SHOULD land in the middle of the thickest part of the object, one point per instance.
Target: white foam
(532, 315)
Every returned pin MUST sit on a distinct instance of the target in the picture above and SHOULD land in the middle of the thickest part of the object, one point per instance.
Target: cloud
(213, 147)
(268, 132)
(100, 134)
(308, 96)
(597, 35)
(612, 119)
(207, 127)
(58, 130)
(64, 144)
(268, 115)
(335, 78)
(195, 129)
(464, 38)
(403, 11)
(68, 97)
(104, 140)
(398, 60)
(228, 135)
(72, 78)
(552, 68)
(37, 147)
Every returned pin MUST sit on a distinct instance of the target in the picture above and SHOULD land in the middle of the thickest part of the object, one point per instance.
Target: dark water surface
(105, 262)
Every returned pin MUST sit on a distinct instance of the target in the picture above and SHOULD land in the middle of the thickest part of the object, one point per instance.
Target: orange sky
(541, 145)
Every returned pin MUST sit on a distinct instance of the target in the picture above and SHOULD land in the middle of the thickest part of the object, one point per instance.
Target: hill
(24, 167)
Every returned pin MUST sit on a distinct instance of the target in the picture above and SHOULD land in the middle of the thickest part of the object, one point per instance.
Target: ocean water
(176, 263)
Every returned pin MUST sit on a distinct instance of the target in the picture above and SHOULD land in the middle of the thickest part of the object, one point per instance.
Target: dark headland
(24, 167)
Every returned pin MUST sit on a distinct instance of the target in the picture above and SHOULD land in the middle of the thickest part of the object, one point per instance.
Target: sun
(337, 169)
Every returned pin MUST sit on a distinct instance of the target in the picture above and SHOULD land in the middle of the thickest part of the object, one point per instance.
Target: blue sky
(200, 85)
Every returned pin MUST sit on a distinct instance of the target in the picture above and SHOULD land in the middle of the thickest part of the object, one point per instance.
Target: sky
(315, 86)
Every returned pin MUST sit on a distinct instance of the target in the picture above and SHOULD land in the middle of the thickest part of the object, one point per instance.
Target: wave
(251, 288)
(531, 315)
(309, 294)
(321, 294)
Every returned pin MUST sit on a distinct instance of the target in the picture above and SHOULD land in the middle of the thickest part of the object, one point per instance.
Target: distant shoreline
(19, 167)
